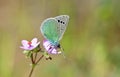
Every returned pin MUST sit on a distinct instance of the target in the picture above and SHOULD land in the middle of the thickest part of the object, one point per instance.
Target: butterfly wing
(62, 24)
(50, 31)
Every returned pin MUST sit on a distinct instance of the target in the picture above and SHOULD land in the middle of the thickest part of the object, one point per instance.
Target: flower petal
(34, 41)
(53, 51)
(36, 44)
(46, 45)
(25, 48)
(32, 47)
(50, 48)
(25, 43)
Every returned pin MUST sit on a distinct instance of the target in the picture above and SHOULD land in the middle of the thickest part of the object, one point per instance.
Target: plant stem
(34, 63)
(39, 59)
(32, 58)
(30, 74)
(35, 57)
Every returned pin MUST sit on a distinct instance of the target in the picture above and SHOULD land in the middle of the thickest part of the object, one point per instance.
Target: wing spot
(58, 20)
(61, 22)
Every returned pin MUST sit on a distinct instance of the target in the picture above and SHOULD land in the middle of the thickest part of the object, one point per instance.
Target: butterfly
(53, 29)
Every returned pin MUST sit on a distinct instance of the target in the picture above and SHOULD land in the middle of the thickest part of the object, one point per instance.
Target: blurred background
(91, 42)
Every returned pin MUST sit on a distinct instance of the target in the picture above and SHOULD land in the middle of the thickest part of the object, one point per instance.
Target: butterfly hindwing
(49, 30)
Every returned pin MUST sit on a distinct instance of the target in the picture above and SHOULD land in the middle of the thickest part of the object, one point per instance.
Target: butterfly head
(58, 46)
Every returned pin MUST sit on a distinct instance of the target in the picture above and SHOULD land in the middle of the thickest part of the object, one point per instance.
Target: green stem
(34, 63)
(30, 74)
(39, 59)
(32, 58)
(35, 57)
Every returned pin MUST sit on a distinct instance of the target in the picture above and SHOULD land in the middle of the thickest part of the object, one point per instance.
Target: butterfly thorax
(55, 44)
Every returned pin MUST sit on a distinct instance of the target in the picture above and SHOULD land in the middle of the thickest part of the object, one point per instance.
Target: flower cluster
(32, 48)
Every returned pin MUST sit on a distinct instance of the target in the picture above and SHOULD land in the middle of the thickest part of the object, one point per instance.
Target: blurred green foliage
(91, 41)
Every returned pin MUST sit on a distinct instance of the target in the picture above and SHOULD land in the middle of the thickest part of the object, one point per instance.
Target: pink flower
(51, 49)
(29, 45)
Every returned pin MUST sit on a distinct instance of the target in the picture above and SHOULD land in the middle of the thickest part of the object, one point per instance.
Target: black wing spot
(58, 20)
(61, 22)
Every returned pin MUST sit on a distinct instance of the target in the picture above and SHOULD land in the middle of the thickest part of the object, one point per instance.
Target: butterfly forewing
(62, 21)
(49, 30)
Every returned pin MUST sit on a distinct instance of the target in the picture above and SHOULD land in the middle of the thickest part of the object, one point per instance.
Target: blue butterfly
(53, 29)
